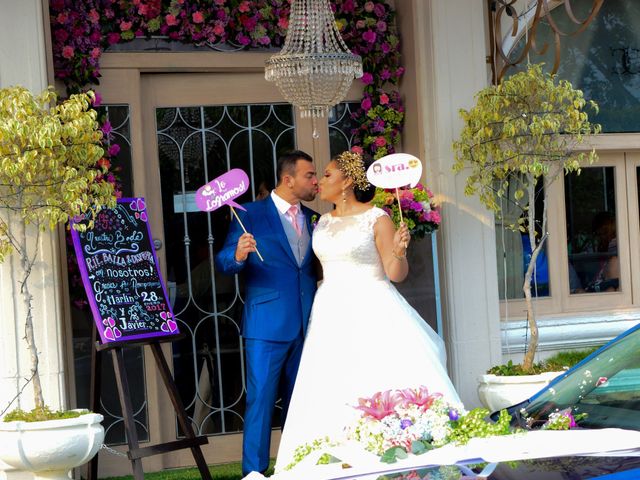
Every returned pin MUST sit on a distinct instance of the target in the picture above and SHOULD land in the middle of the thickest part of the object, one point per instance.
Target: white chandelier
(314, 69)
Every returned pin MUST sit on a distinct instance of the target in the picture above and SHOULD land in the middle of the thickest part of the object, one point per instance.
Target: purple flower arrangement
(419, 211)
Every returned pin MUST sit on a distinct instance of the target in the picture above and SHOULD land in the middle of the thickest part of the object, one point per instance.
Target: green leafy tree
(521, 131)
(48, 174)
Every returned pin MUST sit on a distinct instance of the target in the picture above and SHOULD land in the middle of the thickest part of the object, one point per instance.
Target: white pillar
(23, 61)
(451, 69)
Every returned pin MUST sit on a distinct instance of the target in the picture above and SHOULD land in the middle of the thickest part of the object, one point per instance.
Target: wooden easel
(137, 453)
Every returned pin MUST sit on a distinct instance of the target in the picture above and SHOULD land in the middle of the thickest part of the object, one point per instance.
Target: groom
(278, 296)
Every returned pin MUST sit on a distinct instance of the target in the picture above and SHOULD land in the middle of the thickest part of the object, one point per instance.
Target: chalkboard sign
(119, 269)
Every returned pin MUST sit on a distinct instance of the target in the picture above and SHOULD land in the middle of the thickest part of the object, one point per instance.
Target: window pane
(591, 231)
(513, 250)
(603, 61)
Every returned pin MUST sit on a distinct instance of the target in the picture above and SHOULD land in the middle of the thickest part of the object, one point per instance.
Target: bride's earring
(344, 196)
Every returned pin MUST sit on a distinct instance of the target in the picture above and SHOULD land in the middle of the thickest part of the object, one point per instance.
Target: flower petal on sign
(108, 334)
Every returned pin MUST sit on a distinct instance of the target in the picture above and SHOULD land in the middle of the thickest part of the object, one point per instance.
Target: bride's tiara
(351, 165)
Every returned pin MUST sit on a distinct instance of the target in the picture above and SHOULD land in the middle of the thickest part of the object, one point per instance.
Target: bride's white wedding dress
(363, 337)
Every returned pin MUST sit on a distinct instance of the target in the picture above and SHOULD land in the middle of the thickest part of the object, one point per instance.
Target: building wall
(23, 61)
(444, 53)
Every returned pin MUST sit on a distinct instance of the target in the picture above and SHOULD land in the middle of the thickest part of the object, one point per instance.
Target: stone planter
(497, 392)
(50, 449)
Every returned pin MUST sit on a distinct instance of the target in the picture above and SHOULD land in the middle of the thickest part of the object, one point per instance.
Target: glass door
(204, 125)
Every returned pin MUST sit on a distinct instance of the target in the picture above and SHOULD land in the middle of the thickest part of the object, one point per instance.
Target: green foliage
(226, 471)
(521, 131)
(393, 454)
(48, 156)
(42, 414)
(475, 424)
(522, 128)
(48, 174)
(556, 363)
(567, 359)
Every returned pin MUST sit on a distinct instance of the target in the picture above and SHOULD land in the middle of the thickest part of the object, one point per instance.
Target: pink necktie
(293, 215)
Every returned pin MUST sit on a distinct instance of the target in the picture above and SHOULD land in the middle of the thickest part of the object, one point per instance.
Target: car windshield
(602, 391)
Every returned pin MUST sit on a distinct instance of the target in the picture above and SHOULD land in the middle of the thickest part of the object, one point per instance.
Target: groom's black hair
(367, 194)
(287, 162)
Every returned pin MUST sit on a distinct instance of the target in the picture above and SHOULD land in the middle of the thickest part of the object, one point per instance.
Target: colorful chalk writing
(120, 274)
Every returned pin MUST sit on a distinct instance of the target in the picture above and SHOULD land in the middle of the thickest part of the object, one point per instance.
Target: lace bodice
(346, 247)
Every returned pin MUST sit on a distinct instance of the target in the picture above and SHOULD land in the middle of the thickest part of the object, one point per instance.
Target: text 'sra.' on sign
(395, 170)
(120, 274)
(223, 190)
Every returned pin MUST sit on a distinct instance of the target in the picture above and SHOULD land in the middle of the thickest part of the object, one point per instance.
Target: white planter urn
(51, 448)
(500, 391)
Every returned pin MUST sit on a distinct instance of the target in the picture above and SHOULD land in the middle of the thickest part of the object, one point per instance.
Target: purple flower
(453, 415)
(406, 423)
(367, 78)
(106, 128)
(379, 10)
(369, 36)
(113, 150)
(113, 38)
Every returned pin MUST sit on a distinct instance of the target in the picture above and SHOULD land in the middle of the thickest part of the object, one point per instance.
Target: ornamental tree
(48, 174)
(524, 130)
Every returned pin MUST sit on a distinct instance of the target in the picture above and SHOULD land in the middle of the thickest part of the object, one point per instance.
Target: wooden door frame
(135, 79)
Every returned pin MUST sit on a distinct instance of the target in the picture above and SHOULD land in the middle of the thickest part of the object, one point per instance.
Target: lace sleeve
(372, 217)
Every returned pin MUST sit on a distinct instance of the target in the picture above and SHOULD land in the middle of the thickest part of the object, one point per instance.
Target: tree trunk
(536, 248)
(27, 264)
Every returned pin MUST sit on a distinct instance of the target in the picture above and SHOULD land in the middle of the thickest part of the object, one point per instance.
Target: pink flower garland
(83, 29)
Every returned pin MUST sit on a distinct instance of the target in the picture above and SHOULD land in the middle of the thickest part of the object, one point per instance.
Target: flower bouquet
(395, 423)
(419, 212)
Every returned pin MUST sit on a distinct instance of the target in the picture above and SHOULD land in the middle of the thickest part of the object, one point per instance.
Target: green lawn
(227, 471)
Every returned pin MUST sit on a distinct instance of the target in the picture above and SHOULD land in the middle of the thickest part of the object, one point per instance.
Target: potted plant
(522, 134)
(48, 173)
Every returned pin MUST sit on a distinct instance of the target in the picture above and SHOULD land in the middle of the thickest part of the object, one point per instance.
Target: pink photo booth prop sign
(222, 191)
(395, 170)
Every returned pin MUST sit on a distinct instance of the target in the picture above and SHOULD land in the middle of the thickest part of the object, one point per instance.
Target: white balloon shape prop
(395, 170)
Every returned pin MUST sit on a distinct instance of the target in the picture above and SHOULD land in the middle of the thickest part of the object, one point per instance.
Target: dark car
(602, 391)
(555, 468)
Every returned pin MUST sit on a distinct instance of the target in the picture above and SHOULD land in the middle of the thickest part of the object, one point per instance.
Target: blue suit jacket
(278, 292)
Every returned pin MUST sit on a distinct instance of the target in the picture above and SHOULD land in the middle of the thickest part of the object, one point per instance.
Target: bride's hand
(401, 240)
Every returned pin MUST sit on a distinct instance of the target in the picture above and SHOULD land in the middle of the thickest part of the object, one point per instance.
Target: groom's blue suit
(278, 297)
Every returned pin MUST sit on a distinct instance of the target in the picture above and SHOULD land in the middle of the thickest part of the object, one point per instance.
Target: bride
(363, 336)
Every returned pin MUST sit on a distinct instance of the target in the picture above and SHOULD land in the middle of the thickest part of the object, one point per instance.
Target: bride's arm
(392, 248)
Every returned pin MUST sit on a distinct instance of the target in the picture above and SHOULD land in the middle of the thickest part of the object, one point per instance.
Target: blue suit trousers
(271, 371)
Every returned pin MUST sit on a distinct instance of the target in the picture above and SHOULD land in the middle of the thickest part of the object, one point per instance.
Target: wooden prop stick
(400, 209)
(399, 206)
(245, 230)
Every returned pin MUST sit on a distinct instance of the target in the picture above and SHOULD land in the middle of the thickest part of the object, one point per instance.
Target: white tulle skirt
(363, 338)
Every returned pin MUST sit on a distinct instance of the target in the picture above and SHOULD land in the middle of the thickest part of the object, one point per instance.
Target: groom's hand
(246, 245)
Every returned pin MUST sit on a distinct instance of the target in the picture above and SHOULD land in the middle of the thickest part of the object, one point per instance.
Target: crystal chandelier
(314, 69)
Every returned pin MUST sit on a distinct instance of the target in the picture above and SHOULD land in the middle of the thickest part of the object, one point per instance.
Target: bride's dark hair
(365, 195)
(347, 162)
